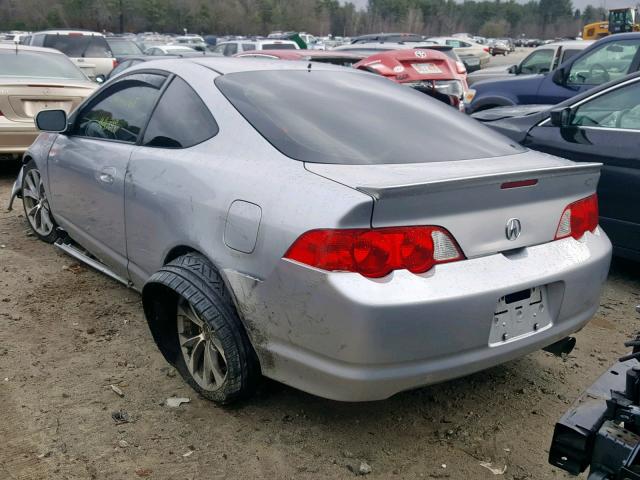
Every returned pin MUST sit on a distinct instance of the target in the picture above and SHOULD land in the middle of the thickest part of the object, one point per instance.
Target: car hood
(491, 70)
(519, 82)
(500, 113)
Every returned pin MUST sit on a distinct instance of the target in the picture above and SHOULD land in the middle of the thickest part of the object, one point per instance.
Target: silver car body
(242, 203)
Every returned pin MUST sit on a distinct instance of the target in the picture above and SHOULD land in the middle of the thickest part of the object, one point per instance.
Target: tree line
(492, 18)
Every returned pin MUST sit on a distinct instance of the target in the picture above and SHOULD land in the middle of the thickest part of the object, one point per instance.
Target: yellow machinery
(620, 20)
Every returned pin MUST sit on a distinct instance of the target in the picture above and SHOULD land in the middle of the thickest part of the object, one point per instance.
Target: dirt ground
(67, 333)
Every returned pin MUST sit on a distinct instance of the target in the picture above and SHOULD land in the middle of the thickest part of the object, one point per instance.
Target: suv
(88, 50)
(237, 46)
(542, 60)
(608, 59)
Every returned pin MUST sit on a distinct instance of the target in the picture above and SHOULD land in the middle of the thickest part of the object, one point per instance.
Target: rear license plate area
(520, 314)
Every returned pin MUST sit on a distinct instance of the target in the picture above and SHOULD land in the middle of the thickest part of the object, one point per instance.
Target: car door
(160, 186)
(609, 61)
(87, 165)
(606, 129)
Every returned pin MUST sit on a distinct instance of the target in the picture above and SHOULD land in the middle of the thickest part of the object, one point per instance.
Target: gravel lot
(68, 333)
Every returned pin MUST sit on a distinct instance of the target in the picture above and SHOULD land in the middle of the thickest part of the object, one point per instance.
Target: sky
(576, 3)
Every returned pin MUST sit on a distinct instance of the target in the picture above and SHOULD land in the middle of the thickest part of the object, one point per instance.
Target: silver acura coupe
(324, 227)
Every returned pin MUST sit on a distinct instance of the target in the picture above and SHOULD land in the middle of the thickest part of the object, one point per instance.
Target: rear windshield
(278, 46)
(38, 65)
(77, 46)
(124, 47)
(355, 118)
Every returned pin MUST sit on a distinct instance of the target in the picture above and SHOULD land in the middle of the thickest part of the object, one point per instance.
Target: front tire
(195, 323)
(36, 205)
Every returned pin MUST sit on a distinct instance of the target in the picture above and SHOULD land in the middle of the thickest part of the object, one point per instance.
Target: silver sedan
(320, 226)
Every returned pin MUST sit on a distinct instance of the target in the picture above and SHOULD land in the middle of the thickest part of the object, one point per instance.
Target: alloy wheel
(202, 350)
(36, 203)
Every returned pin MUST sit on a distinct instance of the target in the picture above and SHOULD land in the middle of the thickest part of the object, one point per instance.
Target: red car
(424, 69)
(326, 56)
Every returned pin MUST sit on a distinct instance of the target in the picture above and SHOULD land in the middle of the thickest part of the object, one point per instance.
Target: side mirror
(52, 121)
(561, 117)
(100, 79)
(559, 76)
(513, 69)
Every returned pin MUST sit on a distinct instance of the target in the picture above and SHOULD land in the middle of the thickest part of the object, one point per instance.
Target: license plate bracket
(520, 314)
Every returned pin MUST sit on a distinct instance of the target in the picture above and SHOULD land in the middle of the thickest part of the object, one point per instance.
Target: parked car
(336, 58)
(88, 50)
(542, 60)
(474, 55)
(359, 269)
(34, 79)
(388, 38)
(601, 125)
(122, 47)
(425, 70)
(232, 47)
(160, 50)
(497, 47)
(611, 58)
(194, 41)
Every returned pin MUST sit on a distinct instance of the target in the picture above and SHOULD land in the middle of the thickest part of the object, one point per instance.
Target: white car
(232, 47)
(88, 50)
(160, 50)
(469, 51)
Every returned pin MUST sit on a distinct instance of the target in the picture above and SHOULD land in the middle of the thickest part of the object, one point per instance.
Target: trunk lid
(468, 197)
(21, 102)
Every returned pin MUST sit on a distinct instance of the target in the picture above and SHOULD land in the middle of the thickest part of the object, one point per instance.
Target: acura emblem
(513, 229)
(420, 54)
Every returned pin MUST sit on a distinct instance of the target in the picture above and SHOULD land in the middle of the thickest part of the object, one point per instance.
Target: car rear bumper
(15, 137)
(349, 338)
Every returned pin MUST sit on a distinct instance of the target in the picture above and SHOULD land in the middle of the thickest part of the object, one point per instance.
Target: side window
(180, 120)
(617, 109)
(464, 44)
(219, 49)
(37, 40)
(609, 62)
(247, 47)
(568, 53)
(453, 43)
(230, 49)
(121, 111)
(538, 62)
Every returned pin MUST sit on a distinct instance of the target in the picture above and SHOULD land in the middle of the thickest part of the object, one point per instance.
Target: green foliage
(433, 17)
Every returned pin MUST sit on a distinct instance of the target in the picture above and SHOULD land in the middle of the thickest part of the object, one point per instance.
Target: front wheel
(36, 204)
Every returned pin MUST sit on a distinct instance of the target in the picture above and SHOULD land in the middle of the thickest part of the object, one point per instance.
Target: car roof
(227, 65)
(25, 48)
(69, 32)
(569, 43)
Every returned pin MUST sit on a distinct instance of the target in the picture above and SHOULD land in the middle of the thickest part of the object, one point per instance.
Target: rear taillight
(115, 63)
(578, 218)
(461, 68)
(375, 252)
(486, 49)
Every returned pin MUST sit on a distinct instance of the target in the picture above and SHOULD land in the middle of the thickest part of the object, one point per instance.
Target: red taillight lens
(487, 49)
(115, 63)
(375, 252)
(578, 218)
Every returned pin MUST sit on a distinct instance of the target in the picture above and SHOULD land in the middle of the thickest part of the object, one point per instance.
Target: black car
(601, 125)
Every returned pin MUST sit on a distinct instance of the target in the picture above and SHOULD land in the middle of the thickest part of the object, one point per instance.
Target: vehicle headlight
(449, 87)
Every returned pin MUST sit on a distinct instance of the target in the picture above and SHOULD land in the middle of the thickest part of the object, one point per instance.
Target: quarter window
(121, 112)
(180, 120)
(247, 47)
(609, 62)
(538, 62)
(617, 109)
(230, 49)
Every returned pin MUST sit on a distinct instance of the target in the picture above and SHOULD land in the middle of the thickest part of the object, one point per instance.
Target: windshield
(124, 47)
(355, 118)
(77, 46)
(38, 65)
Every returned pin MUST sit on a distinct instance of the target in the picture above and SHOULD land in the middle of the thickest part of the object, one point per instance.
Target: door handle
(107, 175)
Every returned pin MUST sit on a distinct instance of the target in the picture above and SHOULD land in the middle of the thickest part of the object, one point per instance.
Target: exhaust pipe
(562, 347)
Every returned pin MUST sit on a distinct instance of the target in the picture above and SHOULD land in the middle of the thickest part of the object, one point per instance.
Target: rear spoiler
(390, 191)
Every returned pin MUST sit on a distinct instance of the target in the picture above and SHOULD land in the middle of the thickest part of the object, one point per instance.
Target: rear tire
(195, 323)
(36, 205)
